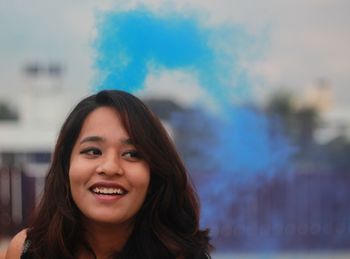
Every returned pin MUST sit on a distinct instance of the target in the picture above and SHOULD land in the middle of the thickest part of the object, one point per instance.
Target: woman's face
(108, 177)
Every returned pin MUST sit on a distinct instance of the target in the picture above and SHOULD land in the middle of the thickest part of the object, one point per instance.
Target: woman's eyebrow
(125, 141)
(92, 139)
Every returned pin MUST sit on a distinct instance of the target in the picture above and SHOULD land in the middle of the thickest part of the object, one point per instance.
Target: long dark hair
(167, 225)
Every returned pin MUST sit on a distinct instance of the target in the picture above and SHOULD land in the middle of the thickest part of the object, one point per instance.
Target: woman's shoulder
(15, 247)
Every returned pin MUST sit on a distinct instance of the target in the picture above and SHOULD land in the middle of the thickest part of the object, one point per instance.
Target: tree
(7, 113)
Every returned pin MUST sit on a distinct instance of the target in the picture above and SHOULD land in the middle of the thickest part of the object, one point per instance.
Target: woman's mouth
(108, 191)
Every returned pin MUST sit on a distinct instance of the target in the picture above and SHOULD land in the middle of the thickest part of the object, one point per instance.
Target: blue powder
(227, 149)
(129, 43)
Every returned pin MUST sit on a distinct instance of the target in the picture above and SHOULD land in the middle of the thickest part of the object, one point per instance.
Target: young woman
(116, 188)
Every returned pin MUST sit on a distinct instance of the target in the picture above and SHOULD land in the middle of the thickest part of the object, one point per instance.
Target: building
(26, 144)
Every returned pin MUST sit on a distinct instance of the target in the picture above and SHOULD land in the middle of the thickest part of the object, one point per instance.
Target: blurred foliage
(299, 123)
(7, 113)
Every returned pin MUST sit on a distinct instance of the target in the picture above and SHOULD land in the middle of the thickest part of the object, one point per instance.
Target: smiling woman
(116, 188)
(108, 178)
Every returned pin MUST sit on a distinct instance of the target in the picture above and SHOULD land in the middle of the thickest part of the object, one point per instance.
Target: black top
(25, 253)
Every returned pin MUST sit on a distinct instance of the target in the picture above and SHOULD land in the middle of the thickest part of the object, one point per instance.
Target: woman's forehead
(103, 122)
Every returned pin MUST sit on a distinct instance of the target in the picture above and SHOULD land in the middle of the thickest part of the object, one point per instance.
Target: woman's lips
(108, 191)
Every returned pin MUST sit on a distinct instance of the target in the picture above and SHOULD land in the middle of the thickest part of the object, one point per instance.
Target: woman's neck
(106, 239)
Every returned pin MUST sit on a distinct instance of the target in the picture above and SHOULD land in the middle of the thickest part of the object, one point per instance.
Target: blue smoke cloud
(224, 150)
(129, 43)
(228, 152)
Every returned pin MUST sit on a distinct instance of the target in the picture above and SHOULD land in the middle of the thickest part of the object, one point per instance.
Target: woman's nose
(110, 165)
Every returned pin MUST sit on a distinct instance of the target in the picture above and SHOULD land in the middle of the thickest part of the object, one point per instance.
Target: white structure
(26, 144)
(42, 108)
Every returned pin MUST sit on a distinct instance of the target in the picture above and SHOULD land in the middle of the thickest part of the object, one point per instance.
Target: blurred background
(254, 94)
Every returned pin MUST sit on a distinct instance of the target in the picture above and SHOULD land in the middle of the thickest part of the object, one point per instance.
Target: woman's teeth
(107, 190)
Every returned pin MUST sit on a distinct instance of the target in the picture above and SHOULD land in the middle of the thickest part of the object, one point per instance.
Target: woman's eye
(133, 155)
(91, 151)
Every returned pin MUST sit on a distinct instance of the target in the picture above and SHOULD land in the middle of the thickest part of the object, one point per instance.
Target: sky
(293, 44)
